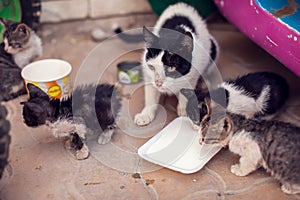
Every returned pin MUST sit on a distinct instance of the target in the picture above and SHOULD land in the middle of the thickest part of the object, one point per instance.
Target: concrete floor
(41, 168)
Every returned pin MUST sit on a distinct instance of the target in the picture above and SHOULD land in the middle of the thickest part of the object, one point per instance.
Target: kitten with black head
(22, 43)
(19, 48)
(177, 52)
(75, 116)
(254, 95)
(274, 145)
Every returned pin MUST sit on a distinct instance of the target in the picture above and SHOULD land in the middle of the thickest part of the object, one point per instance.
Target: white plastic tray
(177, 147)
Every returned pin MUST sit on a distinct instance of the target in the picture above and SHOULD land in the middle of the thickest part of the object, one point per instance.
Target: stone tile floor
(40, 168)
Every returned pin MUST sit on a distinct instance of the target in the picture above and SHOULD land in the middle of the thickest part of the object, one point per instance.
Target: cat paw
(142, 119)
(286, 189)
(83, 153)
(103, 139)
(290, 189)
(236, 170)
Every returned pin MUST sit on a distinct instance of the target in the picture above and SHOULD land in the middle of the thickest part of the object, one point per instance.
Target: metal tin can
(129, 72)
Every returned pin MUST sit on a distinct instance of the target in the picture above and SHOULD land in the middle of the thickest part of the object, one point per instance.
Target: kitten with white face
(20, 46)
(177, 52)
(22, 43)
(274, 145)
(254, 95)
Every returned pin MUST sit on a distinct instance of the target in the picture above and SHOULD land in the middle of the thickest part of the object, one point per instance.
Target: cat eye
(171, 69)
(15, 45)
(151, 67)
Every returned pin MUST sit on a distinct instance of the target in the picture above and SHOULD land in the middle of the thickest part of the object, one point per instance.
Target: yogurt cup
(50, 75)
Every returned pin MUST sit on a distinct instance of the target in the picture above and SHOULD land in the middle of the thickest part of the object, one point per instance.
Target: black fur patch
(195, 108)
(177, 48)
(152, 53)
(77, 143)
(174, 22)
(213, 50)
(182, 65)
(220, 96)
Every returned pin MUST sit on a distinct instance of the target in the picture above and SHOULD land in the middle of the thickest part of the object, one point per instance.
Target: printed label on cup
(50, 75)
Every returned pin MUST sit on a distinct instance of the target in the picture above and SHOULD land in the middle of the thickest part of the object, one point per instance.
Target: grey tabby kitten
(20, 47)
(271, 144)
(22, 43)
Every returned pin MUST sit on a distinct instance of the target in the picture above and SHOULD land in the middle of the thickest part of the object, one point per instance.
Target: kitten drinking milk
(75, 116)
(254, 95)
(274, 145)
(177, 52)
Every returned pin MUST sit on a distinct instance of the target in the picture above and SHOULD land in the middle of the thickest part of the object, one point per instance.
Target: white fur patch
(64, 127)
(251, 157)
(263, 98)
(32, 50)
(83, 153)
(240, 103)
(105, 137)
(242, 144)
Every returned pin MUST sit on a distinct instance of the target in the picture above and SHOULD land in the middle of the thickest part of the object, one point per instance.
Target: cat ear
(188, 93)
(149, 37)
(186, 41)
(225, 129)
(36, 92)
(208, 105)
(220, 96)
(6, 22)
(23, 29)
(227, 124)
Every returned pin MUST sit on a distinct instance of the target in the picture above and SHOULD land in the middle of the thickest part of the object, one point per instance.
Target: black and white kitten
(20, 46)
(76, 115)
(271, 144)
(254, 95)
(22, 43)
(177, 52)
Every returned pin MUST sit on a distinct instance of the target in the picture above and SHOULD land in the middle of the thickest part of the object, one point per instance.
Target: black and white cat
(254, 95)
(20, 46)
(75, 116)
(177, 52)
(274, 145)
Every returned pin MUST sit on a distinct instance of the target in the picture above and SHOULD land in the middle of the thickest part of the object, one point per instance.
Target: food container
(51, 75)
(129, 72)
(177, 147)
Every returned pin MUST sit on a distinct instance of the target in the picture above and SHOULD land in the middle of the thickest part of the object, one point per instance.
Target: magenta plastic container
(266, 23)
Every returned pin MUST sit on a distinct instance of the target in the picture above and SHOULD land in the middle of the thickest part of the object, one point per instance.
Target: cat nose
(158, 83)
(201, 141)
